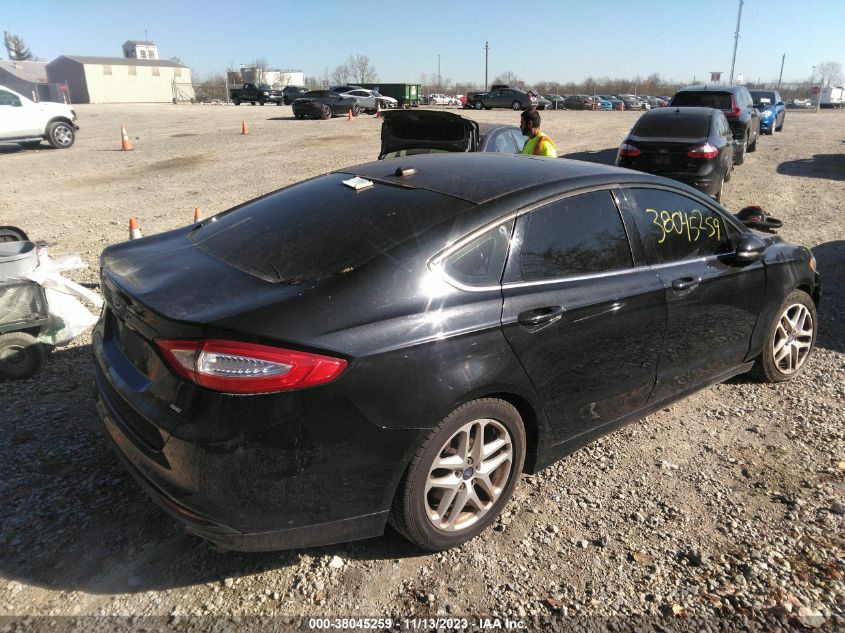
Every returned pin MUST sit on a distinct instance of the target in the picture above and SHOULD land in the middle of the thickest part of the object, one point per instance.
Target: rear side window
(504, 143)
(718, 100)
(481, 262)
(321, 228)
(579, 235)
(677, 227)
(673, 126)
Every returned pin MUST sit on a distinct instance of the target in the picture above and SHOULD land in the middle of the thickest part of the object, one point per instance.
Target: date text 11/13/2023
(416, 624)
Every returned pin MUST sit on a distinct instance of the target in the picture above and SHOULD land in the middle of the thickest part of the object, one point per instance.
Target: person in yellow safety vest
(538, 144)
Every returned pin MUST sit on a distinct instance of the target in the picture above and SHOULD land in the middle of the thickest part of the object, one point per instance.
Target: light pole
(736, 40)
(486, 59)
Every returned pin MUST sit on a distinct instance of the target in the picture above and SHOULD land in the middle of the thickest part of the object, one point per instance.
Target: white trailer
(832, 97)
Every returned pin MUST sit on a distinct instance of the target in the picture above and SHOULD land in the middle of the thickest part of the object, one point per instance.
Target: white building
(138, 49)
(121, 79)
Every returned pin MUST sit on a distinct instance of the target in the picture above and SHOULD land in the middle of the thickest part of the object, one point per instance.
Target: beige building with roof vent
(121, 79)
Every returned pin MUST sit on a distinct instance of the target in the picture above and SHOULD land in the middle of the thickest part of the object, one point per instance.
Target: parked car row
(704, 132)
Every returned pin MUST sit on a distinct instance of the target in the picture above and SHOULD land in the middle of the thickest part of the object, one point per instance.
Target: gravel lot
(722, 511)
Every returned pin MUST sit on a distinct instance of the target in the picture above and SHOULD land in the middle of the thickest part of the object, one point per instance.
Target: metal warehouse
(121, 79)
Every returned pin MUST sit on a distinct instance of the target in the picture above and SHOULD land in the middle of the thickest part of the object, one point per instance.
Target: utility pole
(736, 40)
(782, 60)
(439, 82)
(486, 59)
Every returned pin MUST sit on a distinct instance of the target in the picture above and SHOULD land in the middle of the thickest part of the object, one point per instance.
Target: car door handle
(540, 316)
(686, 283)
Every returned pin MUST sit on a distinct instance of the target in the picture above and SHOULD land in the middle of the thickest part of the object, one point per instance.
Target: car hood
(56, 108)
(409, 129)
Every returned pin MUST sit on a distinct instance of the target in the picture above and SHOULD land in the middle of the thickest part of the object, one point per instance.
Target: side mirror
(749, 248)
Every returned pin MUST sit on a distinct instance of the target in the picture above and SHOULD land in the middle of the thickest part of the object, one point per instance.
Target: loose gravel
(725, 511)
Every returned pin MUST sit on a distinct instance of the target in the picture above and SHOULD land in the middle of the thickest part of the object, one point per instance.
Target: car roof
(710, 88)
(681, 111)
(480, 177)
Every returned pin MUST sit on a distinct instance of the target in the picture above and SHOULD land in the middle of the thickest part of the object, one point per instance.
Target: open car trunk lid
(414, 132)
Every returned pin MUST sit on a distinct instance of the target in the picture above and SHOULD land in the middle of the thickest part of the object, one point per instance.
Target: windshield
(763, 98)
(703, 99)
(672, 126)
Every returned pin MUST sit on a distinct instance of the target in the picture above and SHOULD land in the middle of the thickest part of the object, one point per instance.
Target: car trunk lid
(410, 131)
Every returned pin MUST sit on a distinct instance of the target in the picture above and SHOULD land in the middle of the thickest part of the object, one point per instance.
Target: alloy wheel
(469, 474)
(63, 135)
(793, 339)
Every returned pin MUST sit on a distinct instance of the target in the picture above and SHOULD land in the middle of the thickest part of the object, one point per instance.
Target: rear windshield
(675, 126)
(321, 228)
(762, 97)
(718, 100)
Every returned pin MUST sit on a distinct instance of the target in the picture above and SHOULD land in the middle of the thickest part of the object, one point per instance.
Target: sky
(538, 40)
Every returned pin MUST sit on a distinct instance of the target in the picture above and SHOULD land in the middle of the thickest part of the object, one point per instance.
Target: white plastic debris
(68, 316)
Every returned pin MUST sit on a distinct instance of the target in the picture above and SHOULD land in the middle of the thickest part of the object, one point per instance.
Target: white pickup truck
(28, 123)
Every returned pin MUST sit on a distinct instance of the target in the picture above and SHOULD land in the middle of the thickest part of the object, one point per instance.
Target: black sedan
(693, 145)
(398, 341)
(409, 132)
(324, 104)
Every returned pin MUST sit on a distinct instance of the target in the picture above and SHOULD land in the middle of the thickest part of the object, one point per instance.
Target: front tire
(790, 340)
(516, 105)
(739, 158)
(21, 355)
(325, 112)
(356, 109)
(752, 146)
(60, 134)
(461, 476)
(478, 105)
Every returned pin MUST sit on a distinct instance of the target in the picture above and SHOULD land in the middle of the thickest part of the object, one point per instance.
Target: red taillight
(234, 367)
(626, 149)
(703, 151)
(734, 111)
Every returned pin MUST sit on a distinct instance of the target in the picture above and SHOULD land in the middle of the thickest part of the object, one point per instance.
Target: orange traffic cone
(134, 231)
(349, 114)
(125, 143)
(244, 128)
(197, 214)
(378, 109)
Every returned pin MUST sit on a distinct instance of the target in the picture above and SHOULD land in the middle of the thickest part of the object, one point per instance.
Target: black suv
(738, 106)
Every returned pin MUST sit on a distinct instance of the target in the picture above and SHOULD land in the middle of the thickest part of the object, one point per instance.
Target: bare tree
(508, 77)
(176, 60)
(830, 74)
(340, 75)
(18, 52)
(361, 70)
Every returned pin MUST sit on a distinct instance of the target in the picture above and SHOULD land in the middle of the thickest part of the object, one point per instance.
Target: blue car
(604, 104)
(772, 110)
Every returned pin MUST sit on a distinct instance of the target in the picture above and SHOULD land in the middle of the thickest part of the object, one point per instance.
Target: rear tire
(325, 112)
(12, 234)
(728, 173)
(752, 147)
(739, 157)
(237, 102)
(21, 355)
(516, 105)
(790, 340)
(478, 105)
(461, 476)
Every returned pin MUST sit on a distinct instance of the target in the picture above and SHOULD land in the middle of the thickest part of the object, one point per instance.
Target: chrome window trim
(435, 263)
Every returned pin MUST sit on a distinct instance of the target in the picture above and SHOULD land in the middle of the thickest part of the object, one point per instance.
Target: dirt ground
(724, 510)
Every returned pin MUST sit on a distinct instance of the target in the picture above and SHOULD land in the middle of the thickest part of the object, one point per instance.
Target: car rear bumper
(707, 179)
(342, 530)
(277, 471)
